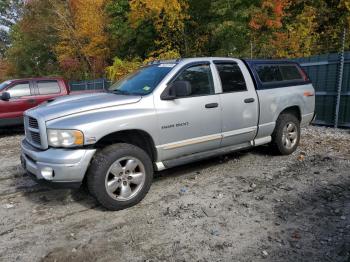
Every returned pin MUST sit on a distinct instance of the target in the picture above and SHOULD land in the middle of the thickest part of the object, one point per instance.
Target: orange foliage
(5, 70)
(276, 38)
(270, 15)
(82, 35)
(162, 12)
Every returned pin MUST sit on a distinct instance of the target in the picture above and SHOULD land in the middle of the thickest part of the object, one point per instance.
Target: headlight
(65, 138)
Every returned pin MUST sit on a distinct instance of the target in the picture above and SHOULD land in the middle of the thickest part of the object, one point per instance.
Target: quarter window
(232, 79)
(277, 73)
(19, 90)
(200, 78)
(48, 87)
(290, 72)
(269, 73)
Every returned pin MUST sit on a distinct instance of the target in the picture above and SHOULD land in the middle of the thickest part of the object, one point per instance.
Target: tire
(286, 125)
(120, 176)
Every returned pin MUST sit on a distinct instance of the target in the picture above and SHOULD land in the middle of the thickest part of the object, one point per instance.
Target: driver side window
(19, 90)
(200, 78)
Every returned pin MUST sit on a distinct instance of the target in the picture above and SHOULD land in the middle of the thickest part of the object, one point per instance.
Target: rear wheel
(286, 136)
(120, 176)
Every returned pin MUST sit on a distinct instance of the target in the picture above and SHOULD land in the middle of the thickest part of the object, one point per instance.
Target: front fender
(99, 123)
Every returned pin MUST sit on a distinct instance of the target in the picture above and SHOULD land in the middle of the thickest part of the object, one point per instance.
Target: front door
(190, 124)
(239, 103)
(21, 100)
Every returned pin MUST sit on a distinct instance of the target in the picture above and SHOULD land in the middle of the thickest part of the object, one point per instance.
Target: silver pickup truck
(166, 114)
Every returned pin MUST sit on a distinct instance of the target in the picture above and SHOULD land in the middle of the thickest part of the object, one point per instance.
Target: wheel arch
(293, 110)
(137, 137)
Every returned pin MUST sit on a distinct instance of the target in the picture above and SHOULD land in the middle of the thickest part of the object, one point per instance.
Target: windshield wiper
(121, 92)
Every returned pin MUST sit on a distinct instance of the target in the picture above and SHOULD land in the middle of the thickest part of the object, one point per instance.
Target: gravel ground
(247, 206)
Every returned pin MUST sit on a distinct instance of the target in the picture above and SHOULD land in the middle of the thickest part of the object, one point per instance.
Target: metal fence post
(340, 80)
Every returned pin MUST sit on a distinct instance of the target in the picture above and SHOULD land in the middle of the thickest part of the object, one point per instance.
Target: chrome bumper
(66, 165)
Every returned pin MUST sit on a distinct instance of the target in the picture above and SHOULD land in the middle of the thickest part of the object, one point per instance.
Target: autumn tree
(298, 28)
(333, 17)
(167, 18)
(82, 39)
(82, 49)
(266, 24)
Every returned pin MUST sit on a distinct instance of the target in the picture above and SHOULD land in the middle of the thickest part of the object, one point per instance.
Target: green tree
(32, 39)
(10, 12)
(218, 27)
(127, 42)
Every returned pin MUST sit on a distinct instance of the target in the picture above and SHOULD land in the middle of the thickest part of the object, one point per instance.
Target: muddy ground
(247, 206)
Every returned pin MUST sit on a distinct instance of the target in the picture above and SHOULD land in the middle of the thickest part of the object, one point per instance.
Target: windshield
(4, 84)
(143, 81)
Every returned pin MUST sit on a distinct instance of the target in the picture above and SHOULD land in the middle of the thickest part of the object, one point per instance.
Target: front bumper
(54, 164)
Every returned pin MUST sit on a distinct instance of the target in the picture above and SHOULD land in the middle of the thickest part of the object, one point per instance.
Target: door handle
(249, 100)
(211, 105)
(31, 101)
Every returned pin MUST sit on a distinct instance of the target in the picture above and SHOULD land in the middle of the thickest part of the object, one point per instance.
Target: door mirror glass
(177, 89)
(181, 88)
(5, 96)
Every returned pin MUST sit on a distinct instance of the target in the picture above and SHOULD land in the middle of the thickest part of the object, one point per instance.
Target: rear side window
(19, 90)
(48, 87)
(232, 79)
(278, 73)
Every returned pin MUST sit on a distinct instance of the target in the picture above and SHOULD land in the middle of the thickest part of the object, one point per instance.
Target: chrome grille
(33, 123)
(32, 131)
(35, 137)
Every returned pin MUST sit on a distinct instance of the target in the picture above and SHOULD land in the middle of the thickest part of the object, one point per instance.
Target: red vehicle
(16, 96)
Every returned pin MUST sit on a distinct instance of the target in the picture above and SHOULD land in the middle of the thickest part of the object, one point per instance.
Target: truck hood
(74, 104)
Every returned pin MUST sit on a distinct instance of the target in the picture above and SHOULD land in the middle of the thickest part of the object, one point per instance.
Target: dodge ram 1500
(167, 113)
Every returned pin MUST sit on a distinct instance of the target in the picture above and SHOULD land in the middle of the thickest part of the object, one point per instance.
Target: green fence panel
(96, 84)
(323, 70)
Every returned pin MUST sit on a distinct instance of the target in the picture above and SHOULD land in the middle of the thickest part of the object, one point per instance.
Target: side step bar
(203, 155)
(208, 154)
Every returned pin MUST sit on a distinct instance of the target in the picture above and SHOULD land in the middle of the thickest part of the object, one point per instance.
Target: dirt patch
(247, 206)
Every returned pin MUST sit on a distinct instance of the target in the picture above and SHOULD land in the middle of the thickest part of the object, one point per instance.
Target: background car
(19, 95)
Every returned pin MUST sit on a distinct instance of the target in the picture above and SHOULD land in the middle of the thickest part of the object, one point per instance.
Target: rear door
(239, 102)
(21, 100)
(46, 89)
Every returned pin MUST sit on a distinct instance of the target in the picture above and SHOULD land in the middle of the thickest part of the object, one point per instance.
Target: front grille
(32, 130)
(35, 137)
(33, 123)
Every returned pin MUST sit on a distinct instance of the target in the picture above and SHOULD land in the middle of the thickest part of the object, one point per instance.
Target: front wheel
(286, 136)
(120, 176)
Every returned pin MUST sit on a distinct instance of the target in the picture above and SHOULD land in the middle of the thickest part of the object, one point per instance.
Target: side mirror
(5, 96)
(177, 89)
